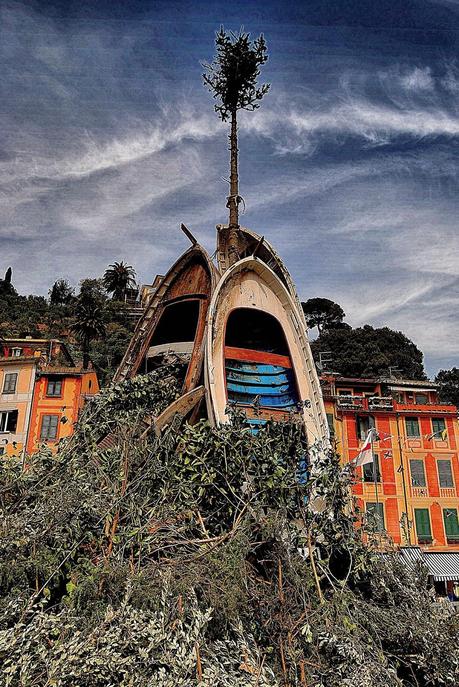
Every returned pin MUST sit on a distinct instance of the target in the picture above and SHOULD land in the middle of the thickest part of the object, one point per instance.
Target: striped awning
(443, 566)
(411, 555)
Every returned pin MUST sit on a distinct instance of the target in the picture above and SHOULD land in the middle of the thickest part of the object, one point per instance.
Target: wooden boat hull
(252, 304)
(175, 319)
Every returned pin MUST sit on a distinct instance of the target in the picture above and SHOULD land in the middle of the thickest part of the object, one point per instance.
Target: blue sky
(108, 140)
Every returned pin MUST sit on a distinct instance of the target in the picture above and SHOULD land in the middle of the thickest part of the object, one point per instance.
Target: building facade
(41, 393)
(59, 396)
(411, 488)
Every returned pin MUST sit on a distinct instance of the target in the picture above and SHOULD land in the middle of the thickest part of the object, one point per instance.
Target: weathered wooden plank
(181, 406)
(233, 353)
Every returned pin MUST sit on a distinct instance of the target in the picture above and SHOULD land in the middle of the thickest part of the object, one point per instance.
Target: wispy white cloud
(418, 79)
(412, 104)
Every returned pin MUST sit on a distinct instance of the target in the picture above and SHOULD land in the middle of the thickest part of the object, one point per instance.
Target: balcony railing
(447, 492)
(381, 402)
(350, 401)
(419, 491)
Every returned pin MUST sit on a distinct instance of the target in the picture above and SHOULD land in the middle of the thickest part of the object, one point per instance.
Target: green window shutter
(445, 475)
(412, 427)
(438, 426)
(421, 516)
(451, 523)
(376, 512)
(331, 425)
(418, 475)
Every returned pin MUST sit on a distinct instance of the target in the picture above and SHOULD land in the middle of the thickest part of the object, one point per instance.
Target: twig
(314, 569)
(198, 663)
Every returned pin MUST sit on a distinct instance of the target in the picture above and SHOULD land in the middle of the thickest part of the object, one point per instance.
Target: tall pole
(402, 471)
(233, 198)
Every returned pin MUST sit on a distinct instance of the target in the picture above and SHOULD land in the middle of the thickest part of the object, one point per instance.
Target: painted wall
(12, 443)
(396, 491)
(65, 407)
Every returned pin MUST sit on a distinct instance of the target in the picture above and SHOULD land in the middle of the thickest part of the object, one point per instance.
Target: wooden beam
(188, 234)
(258, 246)
(181, 406)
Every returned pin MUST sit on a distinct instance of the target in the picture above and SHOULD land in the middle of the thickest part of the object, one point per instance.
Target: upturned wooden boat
(257, 351)
(174, 322)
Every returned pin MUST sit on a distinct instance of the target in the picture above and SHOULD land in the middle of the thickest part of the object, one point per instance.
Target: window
(54, 387)
(16, 352)
(9, 385)
(369, 470)
(418, 475)
(344, 392)
(49, 427)
(364, 422)
(375, 512)
(445, 475)
(422, 399)
(412, 427)
(423, 530)
(451, 524)
(438, 427)
(2, 450)
(331, 425)
(8, 420)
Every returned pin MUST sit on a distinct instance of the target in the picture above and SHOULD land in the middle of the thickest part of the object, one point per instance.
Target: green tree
(232, 79)
(367, 351)
(61, 293)
(92, 292)
(449, 385)
(6, 287)
(322, 313)
(88, 325)
(119, 277)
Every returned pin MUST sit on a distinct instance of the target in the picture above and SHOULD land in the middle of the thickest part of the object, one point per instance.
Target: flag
(444, 434)
(366, 452)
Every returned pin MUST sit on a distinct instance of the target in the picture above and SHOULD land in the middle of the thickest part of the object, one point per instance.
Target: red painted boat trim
(250, 355)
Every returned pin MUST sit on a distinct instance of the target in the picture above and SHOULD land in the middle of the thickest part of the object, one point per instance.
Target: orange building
(60, 393)
(412, 487)
(41, 393)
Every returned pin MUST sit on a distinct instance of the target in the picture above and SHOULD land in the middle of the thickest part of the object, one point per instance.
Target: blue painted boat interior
(272, 386)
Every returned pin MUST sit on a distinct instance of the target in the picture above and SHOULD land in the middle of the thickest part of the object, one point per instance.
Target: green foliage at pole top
(232, 76)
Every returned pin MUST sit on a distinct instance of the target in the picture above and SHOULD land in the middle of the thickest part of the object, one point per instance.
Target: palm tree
(88, 325)
(118, 278)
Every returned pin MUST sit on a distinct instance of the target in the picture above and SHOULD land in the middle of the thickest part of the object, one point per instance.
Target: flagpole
(375, 473)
